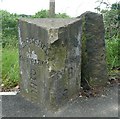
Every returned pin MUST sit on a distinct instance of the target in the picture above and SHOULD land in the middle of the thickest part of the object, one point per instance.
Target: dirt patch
(14, 89)
(114, 79)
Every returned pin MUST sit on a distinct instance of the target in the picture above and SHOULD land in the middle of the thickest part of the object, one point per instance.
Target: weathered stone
(52, 9)
(50, 59)
(94, 70)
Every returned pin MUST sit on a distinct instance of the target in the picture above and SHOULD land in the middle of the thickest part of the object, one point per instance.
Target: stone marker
(50, 60)
(50, 57)
(52, 9)
(94, 69)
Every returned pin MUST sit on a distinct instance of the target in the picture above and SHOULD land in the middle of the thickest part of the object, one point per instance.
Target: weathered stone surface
(50, 59)
(52, 9)
(94, 70)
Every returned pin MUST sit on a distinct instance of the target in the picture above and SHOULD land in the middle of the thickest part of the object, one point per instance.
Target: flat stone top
(49, 23)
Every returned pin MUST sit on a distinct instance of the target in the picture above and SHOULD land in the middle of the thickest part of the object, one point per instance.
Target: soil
(14, 89)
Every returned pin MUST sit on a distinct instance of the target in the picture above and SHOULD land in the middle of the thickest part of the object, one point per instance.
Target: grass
(113, 50)
(10, 67)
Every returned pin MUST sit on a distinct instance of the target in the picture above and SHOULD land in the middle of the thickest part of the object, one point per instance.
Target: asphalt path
(105, 105)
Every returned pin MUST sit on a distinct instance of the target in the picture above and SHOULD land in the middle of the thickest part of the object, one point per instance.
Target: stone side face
(50, 63)
(94, 68)
(65, 64)
(33, 61)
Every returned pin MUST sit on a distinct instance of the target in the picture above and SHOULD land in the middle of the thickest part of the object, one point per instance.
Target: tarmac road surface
(105, 105)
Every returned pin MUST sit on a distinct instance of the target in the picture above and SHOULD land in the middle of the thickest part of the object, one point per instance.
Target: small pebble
(108, 82)
(103, 95)
(80, 96)
(17, 87)
(2, 84)
(71, 99)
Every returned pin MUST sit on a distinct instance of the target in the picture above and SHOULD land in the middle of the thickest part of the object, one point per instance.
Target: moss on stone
(42, 54)
(53, 101)
(57, 56)
(65, 79)
(84, 53)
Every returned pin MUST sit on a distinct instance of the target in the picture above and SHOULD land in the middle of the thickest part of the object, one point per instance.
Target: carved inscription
(36, 42)
(33, 84)
(34, 60)
(31, 55)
